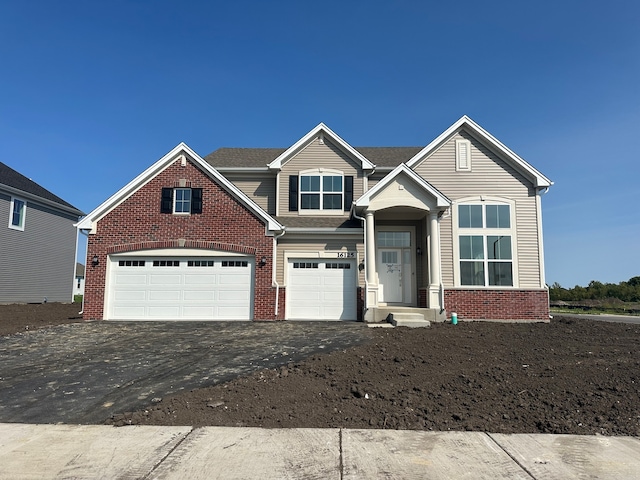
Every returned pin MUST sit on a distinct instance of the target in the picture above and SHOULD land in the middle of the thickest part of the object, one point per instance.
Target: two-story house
(325, 231)
(37, 242)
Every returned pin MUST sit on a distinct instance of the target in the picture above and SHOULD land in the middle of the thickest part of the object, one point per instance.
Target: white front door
(395, 266)
(390, 275)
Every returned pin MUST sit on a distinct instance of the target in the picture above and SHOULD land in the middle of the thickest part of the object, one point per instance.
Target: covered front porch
(402, 259)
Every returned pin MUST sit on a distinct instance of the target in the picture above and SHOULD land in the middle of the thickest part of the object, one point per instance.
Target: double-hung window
(17, 212)
(321, 192)
(485, 245)
(181, 201)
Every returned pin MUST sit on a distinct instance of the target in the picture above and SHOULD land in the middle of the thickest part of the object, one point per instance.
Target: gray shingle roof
(319, 222)
(11, 178)
(260, 157)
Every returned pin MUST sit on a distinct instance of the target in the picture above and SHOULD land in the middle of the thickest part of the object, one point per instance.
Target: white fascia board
(335, 138)
(465, 122)
(88, 223)
(441, 199)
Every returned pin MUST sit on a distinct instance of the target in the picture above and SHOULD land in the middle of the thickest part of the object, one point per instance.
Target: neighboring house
(78, 281)
(323, 230)
(37, 242)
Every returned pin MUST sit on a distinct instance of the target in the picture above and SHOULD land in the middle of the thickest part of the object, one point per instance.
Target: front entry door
(390, 275)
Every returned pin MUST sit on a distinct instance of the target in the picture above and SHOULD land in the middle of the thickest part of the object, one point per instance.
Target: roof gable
(320, 131)
(88, 223)
(465, 123)
(441, 201)
(27, 187)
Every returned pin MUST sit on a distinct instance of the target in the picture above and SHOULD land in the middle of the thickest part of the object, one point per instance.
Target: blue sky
(92, 93)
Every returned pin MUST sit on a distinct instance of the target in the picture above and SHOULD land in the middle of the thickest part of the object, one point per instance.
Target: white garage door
(162, 288)
(321, 289)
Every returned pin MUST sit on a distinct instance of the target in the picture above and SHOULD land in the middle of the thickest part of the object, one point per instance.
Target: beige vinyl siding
(261, 190)
(317, 155)
(314, 245)
(490, 175)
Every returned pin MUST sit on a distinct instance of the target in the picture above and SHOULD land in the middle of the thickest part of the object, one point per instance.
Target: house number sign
(346, 254)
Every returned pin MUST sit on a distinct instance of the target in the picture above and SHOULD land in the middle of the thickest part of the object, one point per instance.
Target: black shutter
(166, 204)
(293, 193)
(348, 192)
(196, 200)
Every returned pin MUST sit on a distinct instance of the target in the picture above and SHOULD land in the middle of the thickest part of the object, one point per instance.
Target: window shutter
(348, 192)
(196, 200)
(293, 193)
(166, 204)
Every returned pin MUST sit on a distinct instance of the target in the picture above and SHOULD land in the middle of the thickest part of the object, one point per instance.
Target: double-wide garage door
(187, 288)
(321, 289)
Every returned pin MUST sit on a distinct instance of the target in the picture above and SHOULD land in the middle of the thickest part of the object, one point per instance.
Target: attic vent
(463, 155)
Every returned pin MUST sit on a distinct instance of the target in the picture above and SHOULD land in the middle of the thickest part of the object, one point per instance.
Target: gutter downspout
(442, 307)
(273, 270)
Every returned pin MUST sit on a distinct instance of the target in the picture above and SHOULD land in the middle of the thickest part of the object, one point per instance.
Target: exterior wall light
(263, 261)
(95, 260)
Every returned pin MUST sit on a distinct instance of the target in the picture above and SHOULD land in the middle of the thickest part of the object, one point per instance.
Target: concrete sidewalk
(103, 452)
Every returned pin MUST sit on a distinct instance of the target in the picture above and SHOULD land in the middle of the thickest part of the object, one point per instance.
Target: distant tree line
(628, 291)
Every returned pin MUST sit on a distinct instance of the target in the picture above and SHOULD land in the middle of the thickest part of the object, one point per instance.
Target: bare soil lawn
(570, 376)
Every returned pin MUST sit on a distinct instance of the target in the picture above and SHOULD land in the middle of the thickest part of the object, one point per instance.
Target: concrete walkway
(102, 452)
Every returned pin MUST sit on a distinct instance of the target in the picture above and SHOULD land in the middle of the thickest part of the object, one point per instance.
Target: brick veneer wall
(531, 305)
(224, 224)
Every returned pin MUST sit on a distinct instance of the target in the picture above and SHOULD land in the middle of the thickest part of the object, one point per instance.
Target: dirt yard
(570, 376)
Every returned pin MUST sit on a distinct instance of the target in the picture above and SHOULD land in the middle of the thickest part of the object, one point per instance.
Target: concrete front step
(411, 320)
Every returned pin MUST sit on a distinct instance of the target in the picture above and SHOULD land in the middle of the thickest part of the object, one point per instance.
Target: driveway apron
(83, 373)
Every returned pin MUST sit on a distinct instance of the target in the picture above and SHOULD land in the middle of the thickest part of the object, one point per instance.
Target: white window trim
(457, 232)
(175, 200)
(23, 216)
(463, 166)
(320, 172)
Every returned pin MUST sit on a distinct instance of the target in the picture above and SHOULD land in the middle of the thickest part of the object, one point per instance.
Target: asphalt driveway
(83, 373)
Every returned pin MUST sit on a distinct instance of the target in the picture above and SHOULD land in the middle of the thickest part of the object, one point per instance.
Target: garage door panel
(129, 279)
(199, 295)
(204, 280)
(165, 295)
(130, 295)
(163, 279)
(192, 288)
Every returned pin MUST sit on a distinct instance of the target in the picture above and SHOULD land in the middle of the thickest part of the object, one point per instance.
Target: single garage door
(321, 289)
(160, 288)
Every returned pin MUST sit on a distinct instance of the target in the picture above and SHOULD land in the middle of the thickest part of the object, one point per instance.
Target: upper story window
(320, 191)
(17, 212)
(485, 245)
(181, 201)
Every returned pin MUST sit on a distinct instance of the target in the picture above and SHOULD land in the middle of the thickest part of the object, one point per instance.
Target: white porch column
(434, 261)
(370, 250)
(370, 268)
